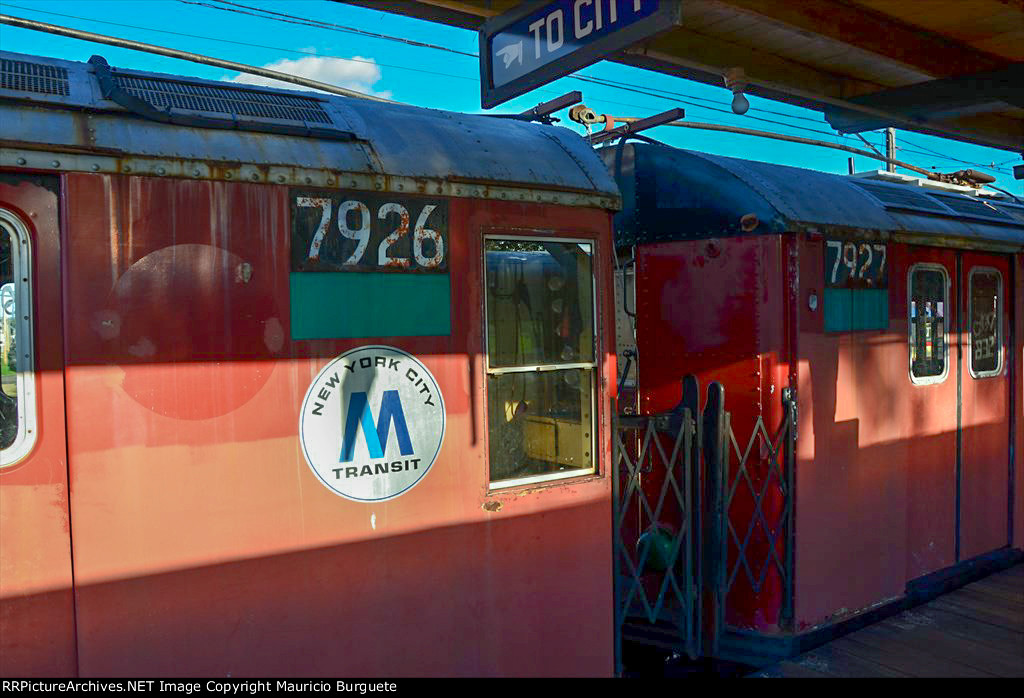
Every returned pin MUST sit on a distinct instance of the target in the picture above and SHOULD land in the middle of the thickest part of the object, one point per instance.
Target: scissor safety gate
(699, 516)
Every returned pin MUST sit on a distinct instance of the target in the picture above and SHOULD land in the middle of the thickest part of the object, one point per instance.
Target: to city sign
(537, 43)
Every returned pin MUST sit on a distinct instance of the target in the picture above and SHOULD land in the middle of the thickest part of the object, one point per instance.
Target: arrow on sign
(511, 53)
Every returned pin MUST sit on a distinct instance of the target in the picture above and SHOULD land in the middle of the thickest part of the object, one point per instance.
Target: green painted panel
(838, 305)
(870, 309)
(342, 305)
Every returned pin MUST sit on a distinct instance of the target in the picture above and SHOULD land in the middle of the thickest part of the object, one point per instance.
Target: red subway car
(861, 337)
(296, 384)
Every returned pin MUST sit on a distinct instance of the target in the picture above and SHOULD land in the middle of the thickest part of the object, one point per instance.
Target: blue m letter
(376, 436)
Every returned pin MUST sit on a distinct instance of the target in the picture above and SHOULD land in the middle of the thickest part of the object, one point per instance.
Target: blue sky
(445, 79)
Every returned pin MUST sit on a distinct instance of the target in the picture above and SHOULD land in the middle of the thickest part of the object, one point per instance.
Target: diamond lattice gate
(696, 516)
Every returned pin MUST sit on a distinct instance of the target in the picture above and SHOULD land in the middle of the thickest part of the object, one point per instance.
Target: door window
(986, 321)
(17, 403)
(541, 359)
(928, 306)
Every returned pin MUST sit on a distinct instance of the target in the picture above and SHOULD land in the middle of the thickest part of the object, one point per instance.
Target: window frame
(929, 380)
(970, 323)
(21, 264)
(594, 366)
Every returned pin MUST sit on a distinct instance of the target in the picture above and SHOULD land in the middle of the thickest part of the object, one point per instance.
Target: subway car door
(37, 628)
(931, 458)
(983, 487)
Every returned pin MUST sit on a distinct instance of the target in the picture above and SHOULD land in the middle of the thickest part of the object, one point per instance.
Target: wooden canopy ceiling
(953, 68)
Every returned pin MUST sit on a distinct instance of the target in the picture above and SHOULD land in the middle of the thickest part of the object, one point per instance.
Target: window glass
(541, 297)
(541, 359)
(986, 291)
(539, 423)
(17, 402)
(8, 342)
(928, 320)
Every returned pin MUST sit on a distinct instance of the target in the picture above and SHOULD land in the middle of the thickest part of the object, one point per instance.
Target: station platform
(975, 631)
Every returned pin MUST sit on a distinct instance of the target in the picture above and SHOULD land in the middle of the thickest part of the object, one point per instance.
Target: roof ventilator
(893, 196)
(24, 76)
(972, 207)
(175, 102)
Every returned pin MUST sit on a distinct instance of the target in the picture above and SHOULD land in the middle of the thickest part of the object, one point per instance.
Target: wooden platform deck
(977, 630)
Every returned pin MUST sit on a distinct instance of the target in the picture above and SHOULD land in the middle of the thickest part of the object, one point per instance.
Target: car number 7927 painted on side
(851, 264)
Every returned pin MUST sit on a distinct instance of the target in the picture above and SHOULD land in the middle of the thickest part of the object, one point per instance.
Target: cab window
(541, 359)
(17, 406)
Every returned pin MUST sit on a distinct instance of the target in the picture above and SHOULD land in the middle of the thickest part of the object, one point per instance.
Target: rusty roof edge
(74, 160)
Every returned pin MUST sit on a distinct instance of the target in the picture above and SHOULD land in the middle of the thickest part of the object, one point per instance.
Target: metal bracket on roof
(543, 111)
(631, 128)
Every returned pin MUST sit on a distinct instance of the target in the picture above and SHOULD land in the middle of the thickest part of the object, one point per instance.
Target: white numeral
(423, 233)
(867, 264)
(403, 229)
(839, 255)
(850, 258)
(321, 230)
(881, 265)
(362, 234)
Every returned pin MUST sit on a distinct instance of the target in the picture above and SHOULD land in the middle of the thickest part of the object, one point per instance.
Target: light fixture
(736, 80)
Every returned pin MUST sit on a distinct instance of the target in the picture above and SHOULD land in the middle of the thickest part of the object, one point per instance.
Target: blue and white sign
(372, 423)
(537, 43)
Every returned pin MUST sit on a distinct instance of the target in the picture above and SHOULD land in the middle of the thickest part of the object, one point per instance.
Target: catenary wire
(652, 92)
(598, 81)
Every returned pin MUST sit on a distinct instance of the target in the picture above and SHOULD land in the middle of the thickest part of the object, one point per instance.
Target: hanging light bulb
(740, 105)
(736, 80)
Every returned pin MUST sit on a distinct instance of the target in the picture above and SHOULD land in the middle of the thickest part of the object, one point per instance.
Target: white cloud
(359, 74)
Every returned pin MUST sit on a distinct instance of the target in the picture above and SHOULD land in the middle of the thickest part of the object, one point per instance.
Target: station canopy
(951, 68)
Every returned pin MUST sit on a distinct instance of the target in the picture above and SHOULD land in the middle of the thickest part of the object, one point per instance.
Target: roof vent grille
(972, 208)
(899, 197)
(223, 100)
(33, 77)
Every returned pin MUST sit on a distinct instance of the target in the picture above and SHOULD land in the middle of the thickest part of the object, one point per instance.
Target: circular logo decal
(372, 423)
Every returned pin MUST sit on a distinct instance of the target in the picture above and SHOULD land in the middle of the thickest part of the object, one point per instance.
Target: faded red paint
(37, 625)
(876, 471)
(985, 424)
(877, 467)
(204, 543)
(715, 308)
(877, 455)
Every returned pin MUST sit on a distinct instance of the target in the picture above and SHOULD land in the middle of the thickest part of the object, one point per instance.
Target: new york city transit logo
(372, 423)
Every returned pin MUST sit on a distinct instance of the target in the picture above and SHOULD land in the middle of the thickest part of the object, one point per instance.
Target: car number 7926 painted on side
(852, 264)
(356, 231)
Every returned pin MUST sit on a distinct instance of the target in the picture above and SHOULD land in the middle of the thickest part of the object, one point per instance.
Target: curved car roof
(63, 104)
(674, 194)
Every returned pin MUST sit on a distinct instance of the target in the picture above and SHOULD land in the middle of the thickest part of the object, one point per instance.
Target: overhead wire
(593, 80)
(241, 43)
(690, 100)
(928, 153)
(355, 60)
(36, 25)
(292, 19)
(950, 158)
(229, 5)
